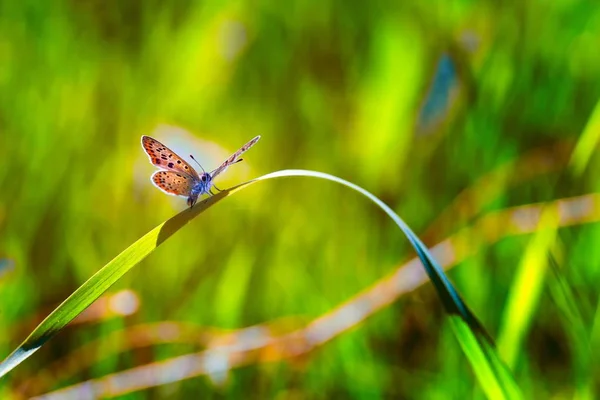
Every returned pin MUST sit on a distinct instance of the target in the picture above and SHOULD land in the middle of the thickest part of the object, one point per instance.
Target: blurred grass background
(414, 101)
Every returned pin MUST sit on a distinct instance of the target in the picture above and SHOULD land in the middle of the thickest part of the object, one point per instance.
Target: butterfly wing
(163, 157)
(174, 183)
(235, 157)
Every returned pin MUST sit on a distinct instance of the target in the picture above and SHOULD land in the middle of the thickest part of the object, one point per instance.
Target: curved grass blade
(492, 373)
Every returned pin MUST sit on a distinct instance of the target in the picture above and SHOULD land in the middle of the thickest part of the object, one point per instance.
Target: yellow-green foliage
(339, 87)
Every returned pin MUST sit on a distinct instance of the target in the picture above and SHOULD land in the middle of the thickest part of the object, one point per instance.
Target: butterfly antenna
(197, 163)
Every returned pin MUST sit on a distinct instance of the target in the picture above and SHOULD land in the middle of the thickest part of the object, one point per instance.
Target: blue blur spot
(439, 97)
(6, 266)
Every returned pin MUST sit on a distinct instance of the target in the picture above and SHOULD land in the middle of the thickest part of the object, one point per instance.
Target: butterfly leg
(215, 186)
(191, 201)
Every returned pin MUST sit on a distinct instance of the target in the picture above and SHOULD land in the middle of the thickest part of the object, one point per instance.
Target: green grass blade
(495, 378)
(526, 290)
(587, 143)
(497, 382)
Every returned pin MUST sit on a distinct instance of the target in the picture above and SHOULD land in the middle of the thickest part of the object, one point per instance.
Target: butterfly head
(206, 179)
(201, 186)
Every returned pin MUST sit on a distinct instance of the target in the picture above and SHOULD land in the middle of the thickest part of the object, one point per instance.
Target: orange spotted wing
(163, 157)
(174, 183)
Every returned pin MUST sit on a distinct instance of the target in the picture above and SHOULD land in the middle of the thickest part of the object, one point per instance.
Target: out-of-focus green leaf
(588, 142)
(526, 289)
(575, 327)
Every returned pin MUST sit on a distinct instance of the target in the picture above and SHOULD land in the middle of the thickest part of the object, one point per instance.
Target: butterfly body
(201, 187)
(177, 177)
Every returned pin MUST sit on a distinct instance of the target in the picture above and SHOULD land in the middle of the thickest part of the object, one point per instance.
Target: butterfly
(178, 178)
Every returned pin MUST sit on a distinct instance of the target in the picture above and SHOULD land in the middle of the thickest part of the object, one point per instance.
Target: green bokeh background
(339, 87)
